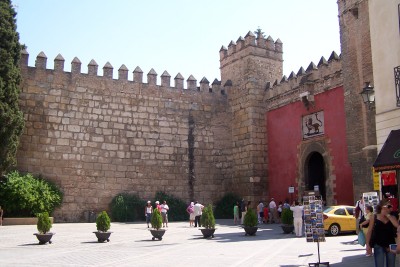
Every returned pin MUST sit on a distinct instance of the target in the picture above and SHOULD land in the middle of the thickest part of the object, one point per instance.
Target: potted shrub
(44, 225)
(208, 222)
(156, 222)
(103, 225)
(287, 221)
(250, 222)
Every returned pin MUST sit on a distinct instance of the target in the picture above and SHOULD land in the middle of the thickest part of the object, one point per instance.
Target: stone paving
(74, 244)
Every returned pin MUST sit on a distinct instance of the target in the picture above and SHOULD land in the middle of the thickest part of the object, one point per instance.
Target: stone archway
(315, 168)
(314, 173)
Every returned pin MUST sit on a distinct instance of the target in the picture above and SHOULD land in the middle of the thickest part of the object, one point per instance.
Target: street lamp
(368, 95)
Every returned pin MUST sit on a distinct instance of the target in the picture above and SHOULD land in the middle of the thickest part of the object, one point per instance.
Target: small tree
(156, 219)
(11, 118)
(103, 222)
(44, 223)
(287, 216)
(207, 218)
(250, 219)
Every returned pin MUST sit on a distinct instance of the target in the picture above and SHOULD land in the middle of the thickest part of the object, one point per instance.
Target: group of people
(267, 213)
(195, 210)
(163, 208)
(270, 213)
(381, 230)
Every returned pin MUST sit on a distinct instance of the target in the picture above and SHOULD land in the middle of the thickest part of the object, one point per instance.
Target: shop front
(388, 165)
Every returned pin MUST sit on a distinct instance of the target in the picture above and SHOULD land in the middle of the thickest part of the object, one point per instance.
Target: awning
(389, 156)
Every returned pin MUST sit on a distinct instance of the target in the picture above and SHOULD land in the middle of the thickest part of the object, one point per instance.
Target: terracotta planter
(287, 228)
(157, 234)
(208, 232)
(44, 238)
(250, 230)
(102, 236)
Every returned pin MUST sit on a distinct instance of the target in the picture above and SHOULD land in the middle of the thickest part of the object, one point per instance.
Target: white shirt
(197, 209)
(297, 211)
(272, 205)
(164, 208)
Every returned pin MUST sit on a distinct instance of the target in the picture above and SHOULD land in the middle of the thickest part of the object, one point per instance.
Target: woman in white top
(148, 211)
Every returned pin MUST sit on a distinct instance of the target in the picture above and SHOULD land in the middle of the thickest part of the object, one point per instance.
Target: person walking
(236, 213)
(164, 213)
(190, 210)
(272, 211)
(381, 233)
(198, 210)
(364, 227)
(359, 212)
(260, 211)
(297, 218)
(148, 211)
(242, 210)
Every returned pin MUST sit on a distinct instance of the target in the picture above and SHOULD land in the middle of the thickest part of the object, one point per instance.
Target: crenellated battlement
(123, 71)
(251, 57)
(252, 45)
(314, 79)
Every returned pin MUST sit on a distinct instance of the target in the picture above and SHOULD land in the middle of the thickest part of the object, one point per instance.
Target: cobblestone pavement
(75, 244)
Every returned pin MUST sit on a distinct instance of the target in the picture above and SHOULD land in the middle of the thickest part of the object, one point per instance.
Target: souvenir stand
(314, 223)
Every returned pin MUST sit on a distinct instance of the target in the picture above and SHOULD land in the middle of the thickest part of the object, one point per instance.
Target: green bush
(250, 219)
(103, 222)
(156, 219)
(224, 207)
(43, 223)
(127, 208)
(207, 218)
(287, 216)
(177, 207)
(26, 195)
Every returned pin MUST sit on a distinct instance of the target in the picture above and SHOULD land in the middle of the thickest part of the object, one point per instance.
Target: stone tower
(247, 66)
(356, 70)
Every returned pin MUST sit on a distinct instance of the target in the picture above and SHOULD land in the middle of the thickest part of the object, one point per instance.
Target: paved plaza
(74, 244)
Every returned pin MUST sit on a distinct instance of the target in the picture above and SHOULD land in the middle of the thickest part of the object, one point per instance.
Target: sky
(179, 36)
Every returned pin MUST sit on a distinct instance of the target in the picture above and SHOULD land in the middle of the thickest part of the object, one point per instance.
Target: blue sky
(177, 35)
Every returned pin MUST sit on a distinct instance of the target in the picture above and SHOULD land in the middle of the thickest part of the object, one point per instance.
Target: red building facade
(308, 148)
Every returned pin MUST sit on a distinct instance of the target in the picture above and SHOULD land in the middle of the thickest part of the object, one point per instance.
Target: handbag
(361, 238)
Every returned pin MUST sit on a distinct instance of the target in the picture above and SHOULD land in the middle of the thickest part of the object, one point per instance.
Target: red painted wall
(284, 134)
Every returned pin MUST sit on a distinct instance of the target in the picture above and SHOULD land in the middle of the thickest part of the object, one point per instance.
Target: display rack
(314, 223)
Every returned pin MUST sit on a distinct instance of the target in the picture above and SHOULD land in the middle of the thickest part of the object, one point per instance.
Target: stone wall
(96, 137)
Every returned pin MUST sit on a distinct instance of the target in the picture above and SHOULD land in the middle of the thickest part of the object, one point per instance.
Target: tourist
(236, 213)
(164, 215)
(198, 210)
(158, 206)
(297, 218)
(190, 210)
(242, 210)
(364, 227)
(148, 211)
(272, 211)
(381, 234)
(266, 214)
(260, 211)
(359, 212)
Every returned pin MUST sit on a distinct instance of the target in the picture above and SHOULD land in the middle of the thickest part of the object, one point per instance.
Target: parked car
(339, 219)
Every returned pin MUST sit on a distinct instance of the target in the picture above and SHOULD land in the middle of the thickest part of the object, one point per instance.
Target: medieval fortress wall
(96, 136)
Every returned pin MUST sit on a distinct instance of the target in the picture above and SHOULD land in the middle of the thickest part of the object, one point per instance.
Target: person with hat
(148, 211)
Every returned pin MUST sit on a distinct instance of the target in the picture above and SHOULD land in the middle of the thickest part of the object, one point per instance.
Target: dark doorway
(315, 173)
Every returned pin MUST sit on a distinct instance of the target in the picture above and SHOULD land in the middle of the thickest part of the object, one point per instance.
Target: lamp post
(368, 95)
